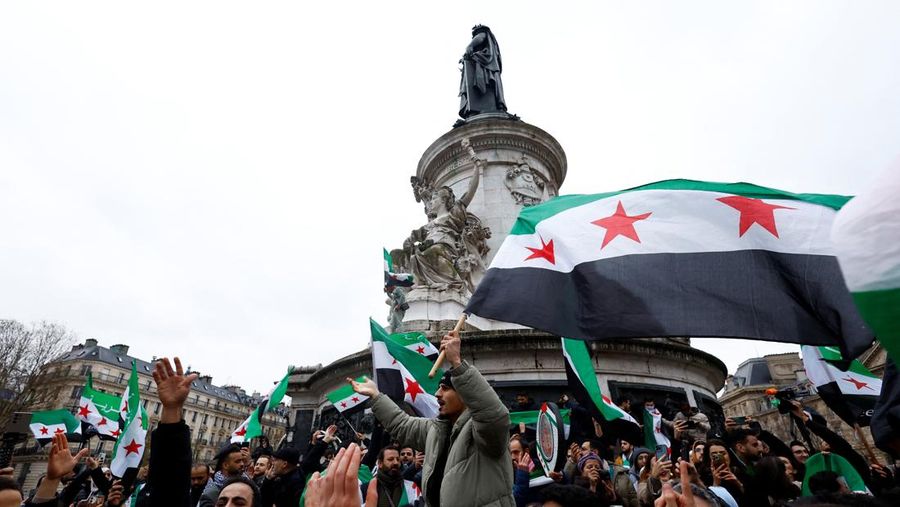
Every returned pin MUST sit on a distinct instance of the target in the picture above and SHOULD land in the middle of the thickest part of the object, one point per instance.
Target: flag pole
(440, 358)
(862, 438)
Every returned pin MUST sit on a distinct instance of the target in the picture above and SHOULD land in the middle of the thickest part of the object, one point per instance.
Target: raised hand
(670, 498)
(173, 387)
(525, 462)
(114, 498)
(450, 344)
(340, 486)
(61, 462)
(367, 387)
(329, 433)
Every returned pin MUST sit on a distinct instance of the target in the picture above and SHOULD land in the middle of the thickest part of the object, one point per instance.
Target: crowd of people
(470, 455)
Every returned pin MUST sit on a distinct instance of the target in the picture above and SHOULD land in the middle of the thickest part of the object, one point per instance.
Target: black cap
(289, 454)
(447, 380)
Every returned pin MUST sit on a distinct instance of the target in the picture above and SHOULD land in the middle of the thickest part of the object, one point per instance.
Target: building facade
(212, 412)
(745, 395)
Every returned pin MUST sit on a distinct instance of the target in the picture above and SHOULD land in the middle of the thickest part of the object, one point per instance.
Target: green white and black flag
(129, 448)
(402, 362)
(850, 394)
(251, 427)
(395, 279)
(45, 425)
(100, 410)
(346, 400)
(586, 390)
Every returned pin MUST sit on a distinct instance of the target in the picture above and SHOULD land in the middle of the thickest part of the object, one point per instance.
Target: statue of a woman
(432, 251)
(480, 87)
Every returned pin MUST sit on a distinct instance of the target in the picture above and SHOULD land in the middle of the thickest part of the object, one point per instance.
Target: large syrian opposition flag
(401, 363)
(582, 378)
(850, 394)
(100, 410)
(865, 235)
(129, 448)
(251, 427)
(653, 432)
(346, 400)
(676, 258)
(46, 425)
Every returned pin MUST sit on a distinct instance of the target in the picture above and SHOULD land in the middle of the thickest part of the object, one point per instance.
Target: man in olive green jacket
(467, 459)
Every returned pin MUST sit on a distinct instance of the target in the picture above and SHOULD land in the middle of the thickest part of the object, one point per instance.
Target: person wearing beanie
(467, 460)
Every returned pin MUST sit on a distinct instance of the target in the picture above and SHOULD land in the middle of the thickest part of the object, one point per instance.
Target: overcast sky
(216, 180)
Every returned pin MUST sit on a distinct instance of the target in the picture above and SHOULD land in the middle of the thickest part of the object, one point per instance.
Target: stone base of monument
(432, 310)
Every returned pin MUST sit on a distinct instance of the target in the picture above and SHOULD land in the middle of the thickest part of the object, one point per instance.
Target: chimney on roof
(206, 378)
(119, 349)
(90, 342)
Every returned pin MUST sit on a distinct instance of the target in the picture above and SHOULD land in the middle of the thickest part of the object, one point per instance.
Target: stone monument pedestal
(433, 310)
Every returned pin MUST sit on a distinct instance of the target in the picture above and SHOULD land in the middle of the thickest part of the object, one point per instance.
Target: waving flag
(346, 400)
(401, 363)
(395, 279)
(46, 425)
(850, 394)
(653, 433)
(251, 427)
(129, 448)
(100, 410)
(676, 258)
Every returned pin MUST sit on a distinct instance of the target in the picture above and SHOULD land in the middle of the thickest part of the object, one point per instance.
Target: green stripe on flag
(579, 358)
(881, 311)
(388, 263)
(61, 416)
(530, 216)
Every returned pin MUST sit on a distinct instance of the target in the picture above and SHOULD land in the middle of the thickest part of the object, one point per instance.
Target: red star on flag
(544, 252)
(753, 211)
(420, 349)
(115, 433)
(102, 422)
(124, 407)
(343, 404)
(394, 361)
(241, 431)
(59, 430)
(355, 399)
(133, 447)
(619, 224)
(857, 383)
(45, 431)
(413, 389)
(84, 411)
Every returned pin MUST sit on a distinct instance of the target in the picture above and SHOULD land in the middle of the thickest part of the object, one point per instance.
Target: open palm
(173, 385)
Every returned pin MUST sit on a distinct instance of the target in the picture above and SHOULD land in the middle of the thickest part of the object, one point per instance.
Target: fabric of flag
(653, 432)
(411, 493)
(129, 448)
(831, 462)
(676, 258)
(865, 236)
(100, 410)
(850, 394)
(252, 426)
(346, 400)
(45, 425)
(582, 379)
(395, 279)
(401, 369)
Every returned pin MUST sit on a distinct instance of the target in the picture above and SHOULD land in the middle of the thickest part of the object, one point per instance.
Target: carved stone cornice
(446, 155)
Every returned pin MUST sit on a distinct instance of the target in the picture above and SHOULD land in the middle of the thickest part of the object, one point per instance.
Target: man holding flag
(467, 459)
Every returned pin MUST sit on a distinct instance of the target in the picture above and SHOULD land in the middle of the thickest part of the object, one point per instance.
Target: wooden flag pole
(440, 358)
(862, 438)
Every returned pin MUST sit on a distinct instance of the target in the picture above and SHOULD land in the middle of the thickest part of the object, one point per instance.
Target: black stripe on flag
(753, 294)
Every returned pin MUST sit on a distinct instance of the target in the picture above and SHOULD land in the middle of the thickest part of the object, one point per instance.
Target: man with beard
(467, 458)
(393, 490)
(199, 478)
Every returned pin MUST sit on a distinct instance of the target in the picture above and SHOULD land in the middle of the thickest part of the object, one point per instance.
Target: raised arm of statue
(476, 173)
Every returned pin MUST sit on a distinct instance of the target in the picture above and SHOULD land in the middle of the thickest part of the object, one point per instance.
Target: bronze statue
(480, 87)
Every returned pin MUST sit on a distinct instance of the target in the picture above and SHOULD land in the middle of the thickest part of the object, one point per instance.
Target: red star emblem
(343, 404)
(420, 349)
(133, 447)
(753, 211)
(115, 433)
(59, 430)
(413, 389)
(355, 399)
(44, 431)
(857, 383)
(394, 361)
(84, 411)
(619, 224)
(544, 252)
(241, 431)
(124, 408)
(102, 422)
